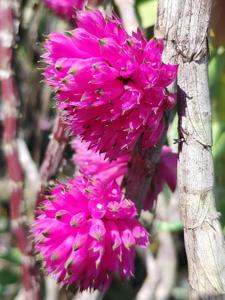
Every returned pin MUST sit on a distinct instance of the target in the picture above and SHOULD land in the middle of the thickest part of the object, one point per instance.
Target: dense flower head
(111, 86)
(86, 232)
(65, 8)
(93, 164)
(166, 173)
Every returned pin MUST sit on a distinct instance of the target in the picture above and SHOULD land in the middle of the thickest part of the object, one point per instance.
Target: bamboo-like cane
(9, 98)
(184, 26)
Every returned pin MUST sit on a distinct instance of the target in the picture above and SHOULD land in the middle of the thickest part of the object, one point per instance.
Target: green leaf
(8, 277)
(216, 67)
(13, 256)
(219, 147)
(147, 11)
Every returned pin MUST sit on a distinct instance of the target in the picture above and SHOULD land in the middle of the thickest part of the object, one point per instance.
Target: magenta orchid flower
(88, 231)
(111, 86)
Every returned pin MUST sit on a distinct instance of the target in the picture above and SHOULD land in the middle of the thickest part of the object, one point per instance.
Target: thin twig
(128, 14)
(89, 296)
(161, 269)
(29, 166)
(53, 155)
(51, 289)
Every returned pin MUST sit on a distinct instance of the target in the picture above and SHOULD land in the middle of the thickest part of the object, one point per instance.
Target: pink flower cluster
(111, 86)
(88, 231)
(65, 8)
